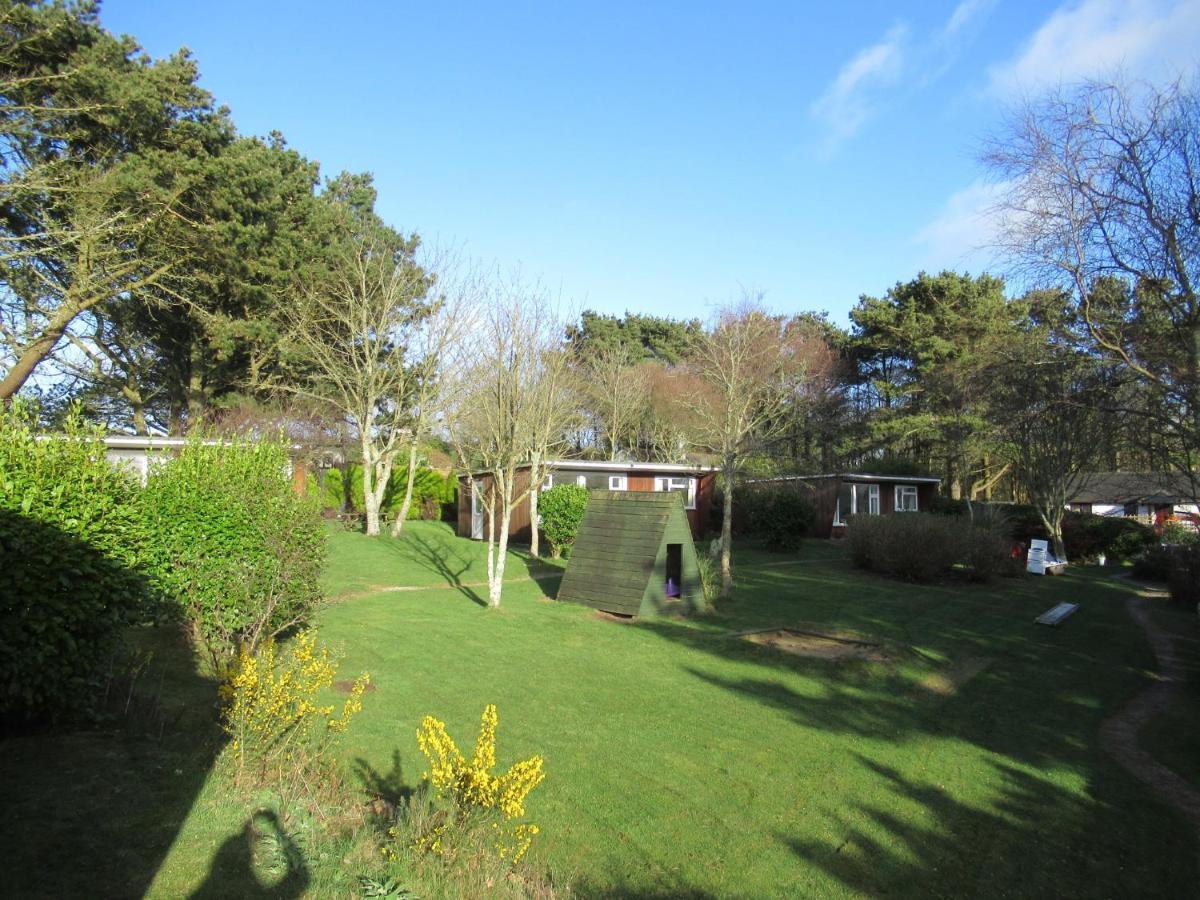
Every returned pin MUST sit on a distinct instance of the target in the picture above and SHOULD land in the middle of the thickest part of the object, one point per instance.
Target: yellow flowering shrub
(474, 790)
(273, 711)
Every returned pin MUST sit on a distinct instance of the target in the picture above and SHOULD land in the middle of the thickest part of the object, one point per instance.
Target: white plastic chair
(1041, 561)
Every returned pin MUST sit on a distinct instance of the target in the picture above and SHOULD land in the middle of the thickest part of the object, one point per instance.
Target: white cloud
(961, 235)
(896, 61)
(849, 100)
(966, 17)
(1148, 38)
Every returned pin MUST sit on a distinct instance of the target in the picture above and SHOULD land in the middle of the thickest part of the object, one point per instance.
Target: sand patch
(817, 645)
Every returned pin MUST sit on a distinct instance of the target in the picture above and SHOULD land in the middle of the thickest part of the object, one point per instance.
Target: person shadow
(232, 872)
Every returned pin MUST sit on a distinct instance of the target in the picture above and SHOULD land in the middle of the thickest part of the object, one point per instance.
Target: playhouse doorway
(673, 587)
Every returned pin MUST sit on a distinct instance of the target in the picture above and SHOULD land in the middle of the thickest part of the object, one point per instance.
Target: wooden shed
(634, 556)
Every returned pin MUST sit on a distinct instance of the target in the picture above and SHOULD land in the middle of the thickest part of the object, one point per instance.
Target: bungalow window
(686, 486)
(906, 498)
(581, 480)
(618, 483)
(856, 500)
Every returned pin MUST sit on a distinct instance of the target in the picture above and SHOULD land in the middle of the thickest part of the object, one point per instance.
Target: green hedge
(1085, 535)
(237, 549)
(431, 491)
(927, 547)
(75, 564)
(561, 511)
(780, 513)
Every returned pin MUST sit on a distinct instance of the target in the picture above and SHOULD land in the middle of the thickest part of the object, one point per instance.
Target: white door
(476, 513)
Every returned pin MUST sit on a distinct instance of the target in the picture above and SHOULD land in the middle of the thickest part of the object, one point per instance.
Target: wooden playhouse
(634, 556)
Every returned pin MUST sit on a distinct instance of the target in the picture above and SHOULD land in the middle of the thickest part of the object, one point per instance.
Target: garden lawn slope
(681, 761)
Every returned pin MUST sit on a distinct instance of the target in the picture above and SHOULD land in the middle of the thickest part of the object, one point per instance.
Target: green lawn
(685, 762)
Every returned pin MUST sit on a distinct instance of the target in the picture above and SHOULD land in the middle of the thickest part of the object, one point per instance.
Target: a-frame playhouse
(634, 556)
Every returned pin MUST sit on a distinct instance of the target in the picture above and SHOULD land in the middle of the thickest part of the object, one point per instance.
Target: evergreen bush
(74, 546)
(926, 547)
(779, 513)
(561, 510)
(236, 549)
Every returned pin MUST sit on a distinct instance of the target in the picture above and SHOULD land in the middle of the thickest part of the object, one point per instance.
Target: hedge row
(1085, 535)
(926, 547)
(217, 539)
(432, 492)
(76, 565)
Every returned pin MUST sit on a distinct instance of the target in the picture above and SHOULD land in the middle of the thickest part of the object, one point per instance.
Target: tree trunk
(28, 360)
(727, 532)
(534, 540)
(497, 583)
(196, 394)
(376, 472)
(402, 516)
(1053, 525)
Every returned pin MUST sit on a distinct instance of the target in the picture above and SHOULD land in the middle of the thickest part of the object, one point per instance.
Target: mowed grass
(683, 761)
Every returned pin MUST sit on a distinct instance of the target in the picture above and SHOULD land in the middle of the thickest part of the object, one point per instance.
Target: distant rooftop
(1136, 487)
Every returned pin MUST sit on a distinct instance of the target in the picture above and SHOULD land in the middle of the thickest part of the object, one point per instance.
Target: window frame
(906, 490)
(618, 482)
(581, 480)
(547, 482)
(682, 484)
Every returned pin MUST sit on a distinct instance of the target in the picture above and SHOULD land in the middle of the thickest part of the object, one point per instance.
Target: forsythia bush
(273, 712)
(474, 791)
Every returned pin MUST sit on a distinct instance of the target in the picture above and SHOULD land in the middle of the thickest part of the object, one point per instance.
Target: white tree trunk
(491, 537)
(496, 583)
(402, 516)
(534, 547)
(376, 472)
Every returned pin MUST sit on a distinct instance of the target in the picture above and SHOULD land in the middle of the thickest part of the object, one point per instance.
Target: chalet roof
(1135, 487)
(868, 477)
(606, 466)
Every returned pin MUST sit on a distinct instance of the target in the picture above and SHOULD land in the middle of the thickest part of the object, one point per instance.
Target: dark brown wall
(824, 499)
(825, 492)
(520, 530)
(518, 525)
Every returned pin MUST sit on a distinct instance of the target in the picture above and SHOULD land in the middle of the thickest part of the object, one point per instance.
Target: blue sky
(659, 157)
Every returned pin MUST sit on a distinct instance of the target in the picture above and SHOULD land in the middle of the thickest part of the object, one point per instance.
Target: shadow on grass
(445, 558)
(914, 838)
(92, 806)
(1035, 708)
(232, 871)
(451, 558)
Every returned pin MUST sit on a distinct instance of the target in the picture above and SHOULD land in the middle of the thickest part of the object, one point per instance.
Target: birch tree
(512, 408)
(434, 341)
(351, 337)
(750, 367)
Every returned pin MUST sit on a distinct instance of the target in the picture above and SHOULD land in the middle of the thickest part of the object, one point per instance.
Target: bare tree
(433, 344)
(751, 367)
(511, 409)
(351, 338)
(615, 392)
(1101, 193)
(1055, 431)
